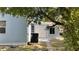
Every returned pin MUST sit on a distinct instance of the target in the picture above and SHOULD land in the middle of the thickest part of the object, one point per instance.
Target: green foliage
(35, 13)
(71, 33)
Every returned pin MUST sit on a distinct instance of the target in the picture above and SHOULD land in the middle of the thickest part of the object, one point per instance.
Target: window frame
(32, 28)
(52, 29)
(4, 26)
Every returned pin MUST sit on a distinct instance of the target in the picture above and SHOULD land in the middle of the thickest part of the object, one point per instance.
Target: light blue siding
(15, 30)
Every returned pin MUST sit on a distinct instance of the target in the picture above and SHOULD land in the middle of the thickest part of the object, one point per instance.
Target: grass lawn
(57, 45)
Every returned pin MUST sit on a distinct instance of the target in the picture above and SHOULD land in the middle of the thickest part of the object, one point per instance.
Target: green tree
(71, 33)
(35, 13)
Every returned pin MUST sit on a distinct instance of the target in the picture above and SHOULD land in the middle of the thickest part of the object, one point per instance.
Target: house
(43, 32)
(12, 30)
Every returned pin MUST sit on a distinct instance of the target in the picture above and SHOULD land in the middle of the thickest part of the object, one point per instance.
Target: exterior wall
(44, 33)
(15, 30)
(58, 31)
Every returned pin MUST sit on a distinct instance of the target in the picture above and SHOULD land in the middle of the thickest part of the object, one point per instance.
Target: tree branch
(56, 22)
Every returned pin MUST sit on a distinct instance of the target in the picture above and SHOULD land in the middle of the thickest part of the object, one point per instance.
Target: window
(32, 28)
(52, 30)
(2, 26)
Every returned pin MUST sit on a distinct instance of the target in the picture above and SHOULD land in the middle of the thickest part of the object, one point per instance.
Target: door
(34, 38)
